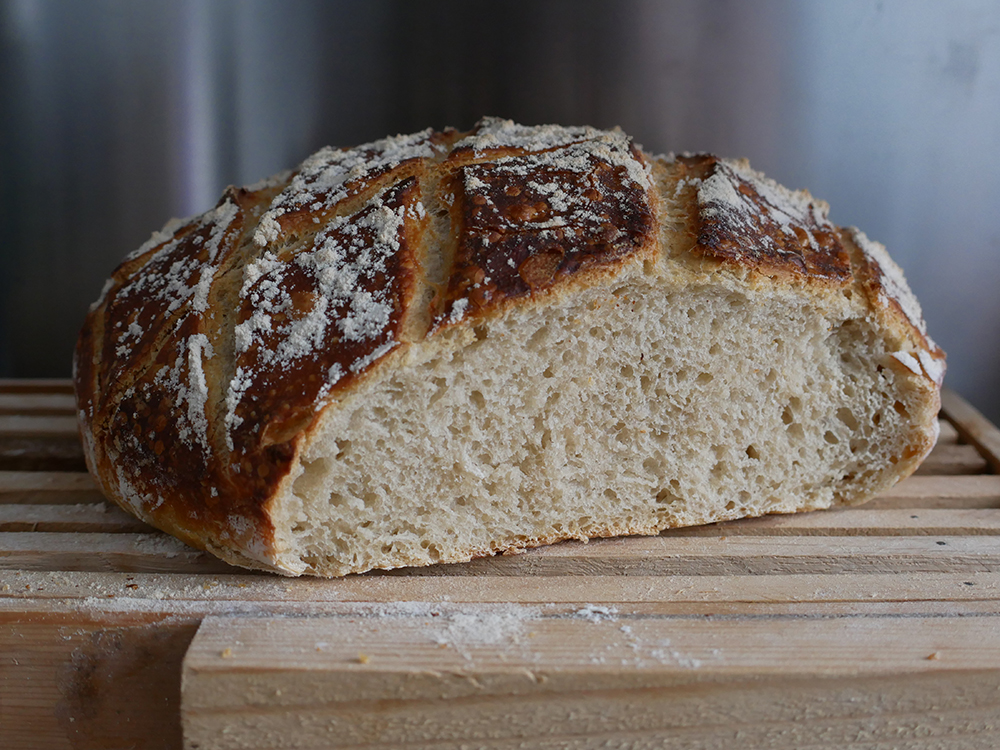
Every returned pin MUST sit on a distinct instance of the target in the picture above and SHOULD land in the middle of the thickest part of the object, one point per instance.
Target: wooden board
(589, 677)
(871, 627)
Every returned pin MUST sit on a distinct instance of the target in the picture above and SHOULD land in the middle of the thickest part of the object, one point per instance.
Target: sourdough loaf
(446, 345)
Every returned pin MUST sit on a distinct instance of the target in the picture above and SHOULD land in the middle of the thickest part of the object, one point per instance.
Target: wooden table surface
(872, 627)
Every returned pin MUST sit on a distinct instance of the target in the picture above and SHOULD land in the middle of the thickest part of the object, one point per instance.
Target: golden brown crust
(145, 397)
(217, 345)
(332, 177)
(301, 335)
(529, 220)
(746, 221)
(887, 291)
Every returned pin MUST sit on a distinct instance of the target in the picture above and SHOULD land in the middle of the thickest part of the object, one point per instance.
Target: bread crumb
(227, 653)
(363, 658)
(935, 656)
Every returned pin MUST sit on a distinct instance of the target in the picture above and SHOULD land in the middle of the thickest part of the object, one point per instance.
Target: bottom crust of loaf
(628, 408)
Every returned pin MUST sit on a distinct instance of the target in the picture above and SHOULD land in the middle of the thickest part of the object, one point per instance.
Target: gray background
(116, 116)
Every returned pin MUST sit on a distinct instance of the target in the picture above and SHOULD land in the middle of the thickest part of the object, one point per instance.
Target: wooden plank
(503, 639)
(82, 677)
(953, 459)
(71, 680)
(48, 487)
(466, 726)
(203, 594)
(510, 676)
(152, 553)
(981, 491)
(41, 454)
(36, 385)
(948, 435)
(973, 427)
(37, 403)
(677, 555)
(655, 556)
(859, 522)
(18, 425)
(89, 518)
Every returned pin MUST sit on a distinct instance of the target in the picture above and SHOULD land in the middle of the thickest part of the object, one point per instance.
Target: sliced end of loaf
(651, 401)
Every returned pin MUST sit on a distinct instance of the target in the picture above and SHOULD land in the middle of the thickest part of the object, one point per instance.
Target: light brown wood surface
(873, 627)
(503, 675)
(53, 404)
(973, 427)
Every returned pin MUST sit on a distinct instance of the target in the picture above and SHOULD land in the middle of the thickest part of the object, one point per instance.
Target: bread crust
(216, 348)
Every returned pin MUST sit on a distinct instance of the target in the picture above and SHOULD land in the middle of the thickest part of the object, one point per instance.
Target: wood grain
(32, 426)
(239, 593)
(666, 555)
(980, 491)
(953, 459)
(151, 553)
(41, 453)
(973, 427)
(36, 385)
(89, 680)
(52, 404)
(70, 519)
(49, 487)
(501, 675)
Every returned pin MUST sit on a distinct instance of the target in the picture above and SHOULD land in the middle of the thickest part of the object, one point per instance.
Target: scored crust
(217, 347)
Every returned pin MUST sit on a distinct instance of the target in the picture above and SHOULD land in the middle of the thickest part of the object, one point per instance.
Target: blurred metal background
(119, 114)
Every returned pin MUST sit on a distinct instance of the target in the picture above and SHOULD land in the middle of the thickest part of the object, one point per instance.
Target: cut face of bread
(444, 345)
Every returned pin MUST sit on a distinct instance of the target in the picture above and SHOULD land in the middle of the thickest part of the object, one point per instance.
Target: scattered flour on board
(597, 613)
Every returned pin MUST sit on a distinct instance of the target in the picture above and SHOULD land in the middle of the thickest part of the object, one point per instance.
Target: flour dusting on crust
(331, 175)
(550, 202)
(612, 146)
(751, 221)
(329, 309)
(175, 280)
(789, 210)
(892, 282)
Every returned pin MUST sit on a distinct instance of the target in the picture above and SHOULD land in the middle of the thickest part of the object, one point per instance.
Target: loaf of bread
(446, 345)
